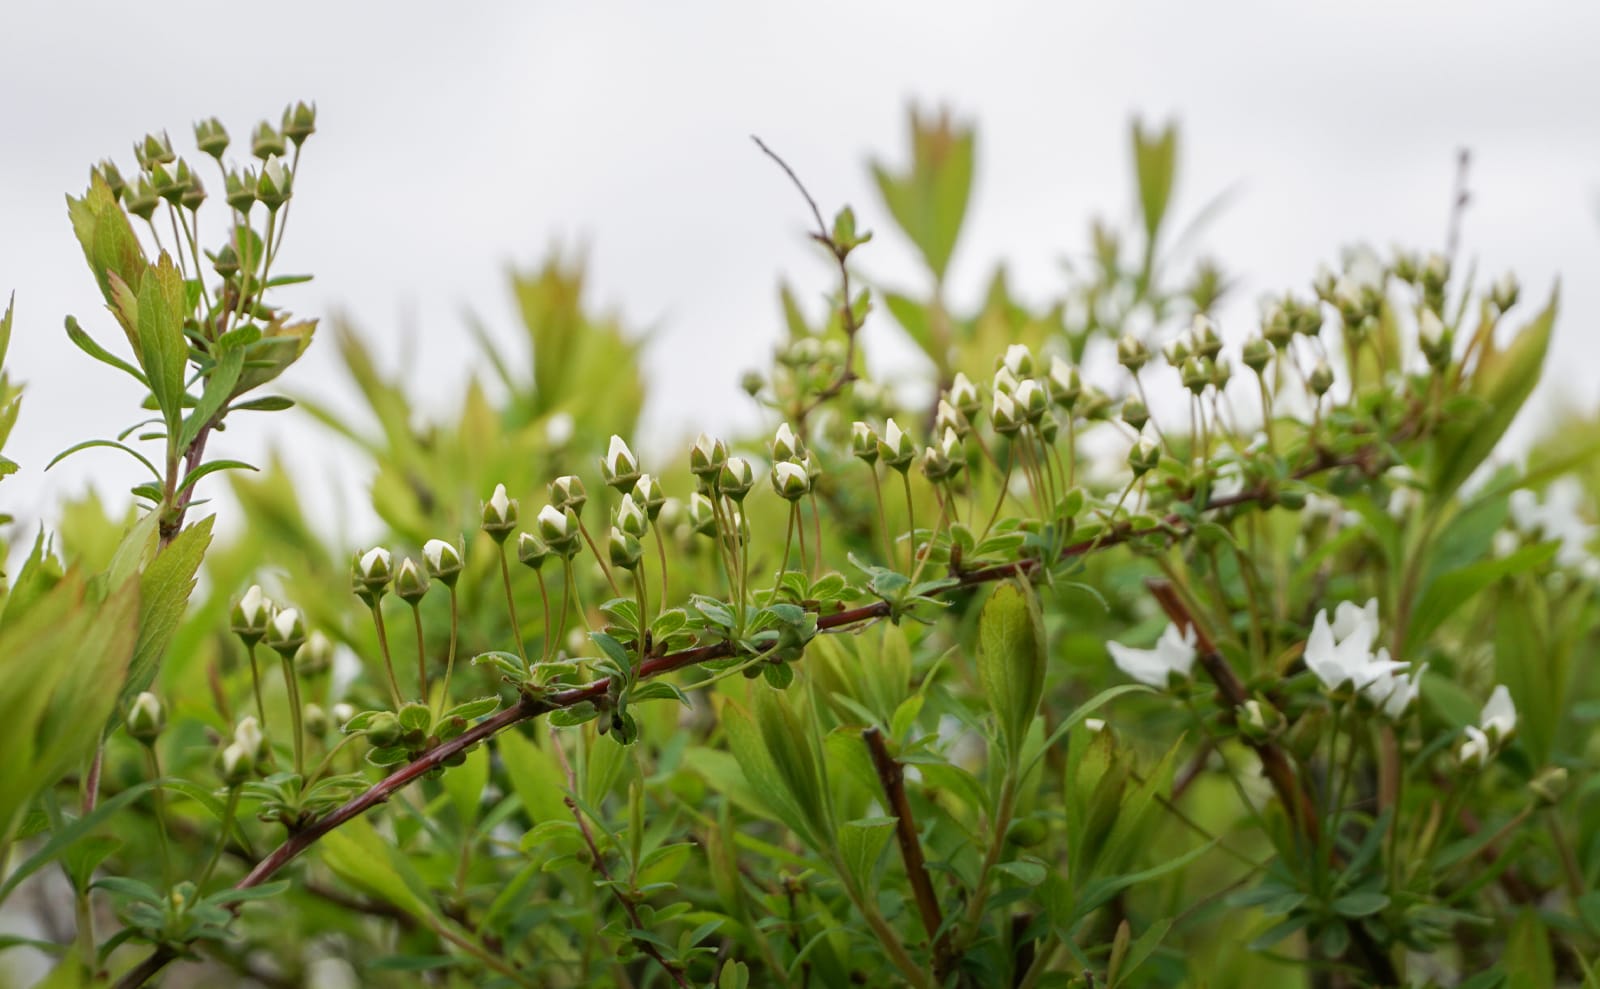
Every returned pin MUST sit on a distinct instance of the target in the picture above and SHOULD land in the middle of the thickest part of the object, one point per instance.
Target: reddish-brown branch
(892, 776)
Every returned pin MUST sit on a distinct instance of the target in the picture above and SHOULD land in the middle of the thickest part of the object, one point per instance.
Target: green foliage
(720, 730)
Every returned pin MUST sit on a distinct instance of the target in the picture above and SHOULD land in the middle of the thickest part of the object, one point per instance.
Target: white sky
(453, 140)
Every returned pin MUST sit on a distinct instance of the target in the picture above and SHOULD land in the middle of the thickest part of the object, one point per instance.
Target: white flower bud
(964, 395)
(1019, 360)
(145, 717)
(789, 480)
(443, 560)
(864, 442)
(784, 444)
(631, 518)
(620, 467)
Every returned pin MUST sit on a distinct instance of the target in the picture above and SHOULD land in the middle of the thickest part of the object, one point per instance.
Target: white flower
(1005, 410)
(1342, 654)
(1394, 695)
(287, 623)
(1499, 717)
(1559, 519)
(1173, 653)
(1474, 751)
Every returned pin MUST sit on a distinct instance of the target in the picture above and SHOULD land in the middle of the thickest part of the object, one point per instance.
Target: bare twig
(892, 776)
(847, 312)
(1459, 200)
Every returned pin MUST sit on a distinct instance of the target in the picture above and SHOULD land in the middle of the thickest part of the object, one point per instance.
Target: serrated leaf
(163, 350)
(165, 587)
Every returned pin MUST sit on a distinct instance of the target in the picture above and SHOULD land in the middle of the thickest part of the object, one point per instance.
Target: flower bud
(107, 170)
(784, 444)
(620, 467)
(193, 193)
(1503, 293)
(1132, 353)
(370, 574)
(1434, 338)
(384, 729)
(499, 515)
(239, 189)
(1005, 415)
(1257, 354)
(146, 718)
(1018, 360)
(964, 395)
(1321, 379)
(896, 449)
(247, 734)
(647, 494)
(631, 518)
(948, 417)
(267, 143)
(315, 658)
(1195, 375)
(736, 478)
(342, 712)
(273, 185)
(624, 549)
(211, 138)
(299, 122)
(443, 560)
(1549, 786)
(142, 199)
(410, 583)
(559, 530)
(1065, 385)
(702, 515)
(568, 492)
(287, 632)
(1435, 272)
(531, 551)
(154, 150)
(707, 457)
(1221, 371)
(789, 479)
(315, 720)
(1048, 425)
(751, 383)
(1178, 350)
(1144, 457)
(1096, 404)
(251, 615)
(1032, 399)
(936, 465)
(234, 764)
(1134, 413)
(1004, 381)
(864, 442)
(1206, 341)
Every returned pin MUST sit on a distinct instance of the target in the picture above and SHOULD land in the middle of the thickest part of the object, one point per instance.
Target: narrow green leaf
(1011, 661)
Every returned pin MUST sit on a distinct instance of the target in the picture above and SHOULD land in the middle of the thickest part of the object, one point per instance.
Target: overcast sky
(456, 139)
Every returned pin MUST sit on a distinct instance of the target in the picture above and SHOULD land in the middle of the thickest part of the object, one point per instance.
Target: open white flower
(1394, 695)
(1173, 653)
(1558, 519)
(1341, 653)
(1474, 751)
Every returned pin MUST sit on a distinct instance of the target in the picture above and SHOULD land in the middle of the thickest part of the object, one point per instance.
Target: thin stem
(327, 758)
(158, 799)
(1000, 825)
(383, 647)
(883, 518)
(228, 811)
(511, 604)
(293, 684)
(422, 653)
(661, 556)
(544, 602)
(604, 568)
(892, 776)
(255, 683)
(911, 522)
(455, 626)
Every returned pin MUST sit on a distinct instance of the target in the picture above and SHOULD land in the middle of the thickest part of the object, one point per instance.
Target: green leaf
(535, 777)
(860, 843)
(165, 587)
(465, 784)
(63, 839)
(363, 858)
(1527, 960)
(89, 444)
(1155, 160)
(109, 245)
(1453, 589)
(163, 349)
(1360, 904)
(87, 344)
(930, 201)
(1503, 380)
(219, 387)
(211, 467)
(1011, 661)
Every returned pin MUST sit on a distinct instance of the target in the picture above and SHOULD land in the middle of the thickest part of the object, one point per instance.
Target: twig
(847, 312)
(892, 776)
(1459, 200)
